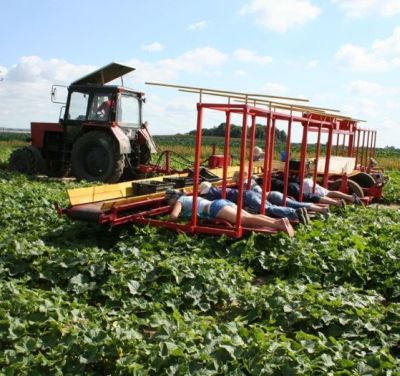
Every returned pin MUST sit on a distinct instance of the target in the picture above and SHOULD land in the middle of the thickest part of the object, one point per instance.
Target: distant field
(183, 145)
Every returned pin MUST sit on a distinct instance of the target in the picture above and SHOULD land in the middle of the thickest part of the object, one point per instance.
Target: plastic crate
(179, 181)
(152, 186)
(205, 175)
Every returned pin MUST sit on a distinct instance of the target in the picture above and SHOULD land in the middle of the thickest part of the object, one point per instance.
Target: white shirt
(308, 188)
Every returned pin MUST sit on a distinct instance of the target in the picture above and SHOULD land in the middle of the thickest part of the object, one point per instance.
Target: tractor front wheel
(363, 179)
(352, 187)
(96, 157)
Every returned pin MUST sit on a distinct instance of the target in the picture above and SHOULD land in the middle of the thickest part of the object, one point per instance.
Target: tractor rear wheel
(96, 157)
(352, 187)
(363, 179)
(27, 160)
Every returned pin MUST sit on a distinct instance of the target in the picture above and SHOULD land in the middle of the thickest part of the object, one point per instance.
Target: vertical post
(344, 142)
(357, 147)
(251, 151)
(226, 152)
(328, 156)
(317, 158)
(272, 152)
(303, 154)
(197, 161)
(367, 149)
(375, 144)
(267, 156)
(362, 151)
(288, 147)
(337, 144)
(241, 171)
(371, 149)
(350, 148)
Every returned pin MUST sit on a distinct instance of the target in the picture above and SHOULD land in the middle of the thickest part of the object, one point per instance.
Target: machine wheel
(363, 179)
(27, 160)
(352, 186)
(96, 157)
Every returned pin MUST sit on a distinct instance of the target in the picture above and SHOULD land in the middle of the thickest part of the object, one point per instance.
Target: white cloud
(33, 68)
(153, 47)
(205, 60)
(389, 46)
(274, 88)
(381, 56)
(195, 61)
(281, 15)
(312, 64)
(248, 56)
(361, 87)
(198, 25)
(3, 72)
(359, 59)
(362, 8)
(393, 105)
(240, 73)
(27, 86)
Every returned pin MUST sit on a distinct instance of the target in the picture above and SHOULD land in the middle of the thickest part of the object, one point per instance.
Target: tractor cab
(92, 103)
(102, 106)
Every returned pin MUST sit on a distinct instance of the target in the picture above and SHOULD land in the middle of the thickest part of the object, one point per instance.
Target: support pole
(288, 147)
(267, 156)
(197, 161)
(251, 151)
(226, 152)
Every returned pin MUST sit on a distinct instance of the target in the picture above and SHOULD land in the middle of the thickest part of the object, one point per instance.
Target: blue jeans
(252, 200)
(217, 205)
(276, 198)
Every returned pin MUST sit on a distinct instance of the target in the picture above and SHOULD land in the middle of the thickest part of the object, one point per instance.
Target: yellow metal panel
(121, 193)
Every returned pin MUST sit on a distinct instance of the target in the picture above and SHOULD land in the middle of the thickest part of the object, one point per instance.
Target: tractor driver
(103, 110)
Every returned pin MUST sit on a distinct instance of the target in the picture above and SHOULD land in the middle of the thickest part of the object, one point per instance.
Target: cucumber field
(79, 299)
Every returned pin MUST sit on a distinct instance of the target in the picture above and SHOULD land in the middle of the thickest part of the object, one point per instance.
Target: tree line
(236, 132)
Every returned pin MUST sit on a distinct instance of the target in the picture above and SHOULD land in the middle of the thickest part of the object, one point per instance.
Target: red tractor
(100, 136)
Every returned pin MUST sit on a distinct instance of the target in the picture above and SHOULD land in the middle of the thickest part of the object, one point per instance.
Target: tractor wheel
(352, 186)
(96, 157)
(363, 179)
(27, 160)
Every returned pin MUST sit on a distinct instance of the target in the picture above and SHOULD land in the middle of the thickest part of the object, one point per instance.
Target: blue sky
(342, 54)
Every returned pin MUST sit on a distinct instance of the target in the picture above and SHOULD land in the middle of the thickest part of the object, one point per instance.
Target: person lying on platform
(222, 209)
(252, 203)
(275, 198)
(321, 194)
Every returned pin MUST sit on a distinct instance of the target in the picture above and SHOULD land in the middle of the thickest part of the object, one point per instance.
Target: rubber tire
(352, 186)
(27, 160)
(96, 157)
(363, 179)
